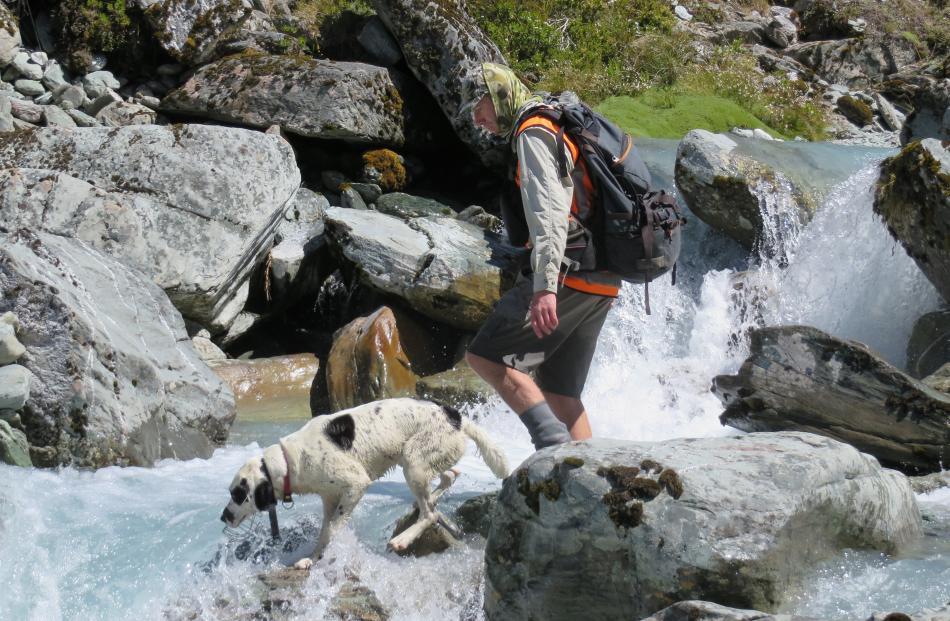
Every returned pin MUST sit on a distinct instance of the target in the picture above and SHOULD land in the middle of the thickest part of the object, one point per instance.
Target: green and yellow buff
(508, 94)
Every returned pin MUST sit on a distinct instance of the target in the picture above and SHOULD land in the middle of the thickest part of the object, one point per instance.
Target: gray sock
(544, 427)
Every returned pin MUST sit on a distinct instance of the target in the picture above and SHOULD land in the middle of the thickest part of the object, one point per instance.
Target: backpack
(632, 230)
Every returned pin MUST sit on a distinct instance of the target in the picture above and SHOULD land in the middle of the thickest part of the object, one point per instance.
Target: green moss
(671, 482)
(855, 110)
(532, 492)
(389, 166)
(573, 462)
(87, 26)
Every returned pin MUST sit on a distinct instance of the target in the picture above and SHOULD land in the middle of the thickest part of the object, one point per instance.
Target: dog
(337, 456)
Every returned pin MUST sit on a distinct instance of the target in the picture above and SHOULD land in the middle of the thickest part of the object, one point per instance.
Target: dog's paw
(304, 563)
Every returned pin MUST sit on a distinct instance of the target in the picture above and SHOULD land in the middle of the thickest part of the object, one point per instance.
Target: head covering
(509, 95)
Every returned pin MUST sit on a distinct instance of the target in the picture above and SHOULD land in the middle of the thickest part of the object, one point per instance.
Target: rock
(858, 63)
(189, 30)
(385, 168)
(93, 108)
(265, 385)
(655, 523)
(929, 345)
(40, 58)
(928, 614)
(26, 69)
(474, 516)
(54, 116)
(893, 119)
(54, 77)
(351, 199)
(406, 206)
(930, 482)
(14, 449)
(433, 540)
(855, 110)
(69, 97)
(332, 180)
(153, 103)
(6, 114)
(781, 31)
(367, 362)
(44, 100)
(748, 32)
(117, 380)
(378, 43)
(445, 49)
(30, 88)
(458, 386)
(10, 347)
(26, 110)
(696, 610)
(761, 134)
(14, 387)
(294, 262)
(798, 378)
(726, 190)
(194, 207)
(355, 601)
(939, 380)
(370, 192)
(82, 119)
(451, 271)
(354, 102)
(479, 217)
(242, 323)
(121, 113)
(207, 350)
(683, 13)
(913, 198)
(930, 102)
(22, 125)
(98, 83)
(10, 41)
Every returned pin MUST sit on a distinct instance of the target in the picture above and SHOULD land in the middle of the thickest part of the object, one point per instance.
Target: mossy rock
(855, 110)
(385, 168)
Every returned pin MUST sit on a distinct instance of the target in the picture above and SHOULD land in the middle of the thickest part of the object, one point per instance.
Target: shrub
(88, 26)
(385, 168)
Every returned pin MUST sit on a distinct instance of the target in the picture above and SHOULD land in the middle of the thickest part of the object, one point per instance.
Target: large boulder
(315, 98)
(189, 30)
(192, 206)
(116, 380)
(913, 197)
(729, 191)
(279, 385)
(738, 520)
(929, 345)
(449, 270)
(696, 610)
(930, 117)
(798, 378)
(367, 362)
(856, 63)
(445, 49)
(458, 386)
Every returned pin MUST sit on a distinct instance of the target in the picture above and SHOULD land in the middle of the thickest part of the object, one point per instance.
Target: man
(549, 322)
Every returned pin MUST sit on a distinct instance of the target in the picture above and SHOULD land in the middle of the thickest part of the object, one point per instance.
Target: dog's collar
(288, 499)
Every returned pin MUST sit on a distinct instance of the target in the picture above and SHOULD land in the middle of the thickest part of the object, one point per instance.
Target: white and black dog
(337, 456)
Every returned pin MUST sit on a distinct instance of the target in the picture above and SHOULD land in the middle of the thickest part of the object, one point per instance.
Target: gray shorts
(560, 361)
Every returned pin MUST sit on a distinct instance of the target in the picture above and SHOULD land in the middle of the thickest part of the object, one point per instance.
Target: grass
(662, 114)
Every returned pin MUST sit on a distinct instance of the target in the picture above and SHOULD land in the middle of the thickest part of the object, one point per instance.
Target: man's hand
(543, 313)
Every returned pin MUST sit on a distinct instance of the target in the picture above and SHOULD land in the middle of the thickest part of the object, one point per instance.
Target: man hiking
(549, 322)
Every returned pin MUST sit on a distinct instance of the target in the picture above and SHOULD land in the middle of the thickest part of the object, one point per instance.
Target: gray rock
(351, 199)
(118, 381)
(14, 386)
(445, 49)
(893, 118)
(30, 88)
(939, 380)
(98, 83)
(26, 69)
(696, 610)
(749, 32)
(82, 119)
(40, 58)
(10, 347)
(459, 386)
(928, 614)
(930, 482)
(369, 191)
(6, 114)
(44, 100)
(710, 526)
(110, 97)
(98, 62)
(451, 271)
(929, 345)
(761, 134)
(406, 206)
(914, 188)
(781, 31)
(54, 116)
(10, 41)
(121, 113)
(683, 13)
(69, 97)
(153, 103)
(207, 350)
(726, 190)
(189, 30)
(354, 102)
(378, 43)
(858, 63)
(14, 449)
(930, 99)
(26, 110)
(194, 207)
(21, 124)
(798, 378)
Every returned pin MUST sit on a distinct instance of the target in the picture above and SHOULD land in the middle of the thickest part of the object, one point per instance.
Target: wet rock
(704, 519)
(451, 271)
(367, 362)
(913, 197)
(194, 207)
(696, 610)
(189, 30)
(892, 117)
(117, 381)
(939, 380)
(406, 206)
(445, 49)
(458, 386)
(10, 40)
(10, 347)
(857, 63)
(15, 383)
(928, 614)
(798, 378)
(930, 482)
(269, 384)
(356, 602)
(433, 540)
(726, 189)
(309, 97)
(14, 449)
(120, 113)
(474, 516)
(929, 345)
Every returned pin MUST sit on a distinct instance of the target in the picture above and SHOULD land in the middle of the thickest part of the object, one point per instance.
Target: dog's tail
(493, 456)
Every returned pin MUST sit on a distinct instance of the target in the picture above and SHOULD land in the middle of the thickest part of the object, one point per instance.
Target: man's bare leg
(572, 413)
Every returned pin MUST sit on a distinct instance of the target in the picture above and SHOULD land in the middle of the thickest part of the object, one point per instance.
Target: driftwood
(798, 378)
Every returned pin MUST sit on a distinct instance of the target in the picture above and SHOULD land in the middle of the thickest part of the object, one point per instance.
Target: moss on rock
(855, 110)
(532, 491)
(386, 168)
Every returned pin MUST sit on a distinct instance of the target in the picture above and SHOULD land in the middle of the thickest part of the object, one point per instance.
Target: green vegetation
(855, 110)
(312, 14)
(87, 26)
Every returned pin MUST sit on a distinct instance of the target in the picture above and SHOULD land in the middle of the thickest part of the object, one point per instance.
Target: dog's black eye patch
(341, 431)
(239, 493)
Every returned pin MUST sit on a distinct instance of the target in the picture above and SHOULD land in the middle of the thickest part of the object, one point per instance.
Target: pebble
(54, 76)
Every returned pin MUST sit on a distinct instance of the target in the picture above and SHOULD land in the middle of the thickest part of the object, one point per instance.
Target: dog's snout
(227, 516)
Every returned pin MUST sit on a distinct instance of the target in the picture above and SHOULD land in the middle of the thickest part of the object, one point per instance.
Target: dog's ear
(264, 495)
(341, 431)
